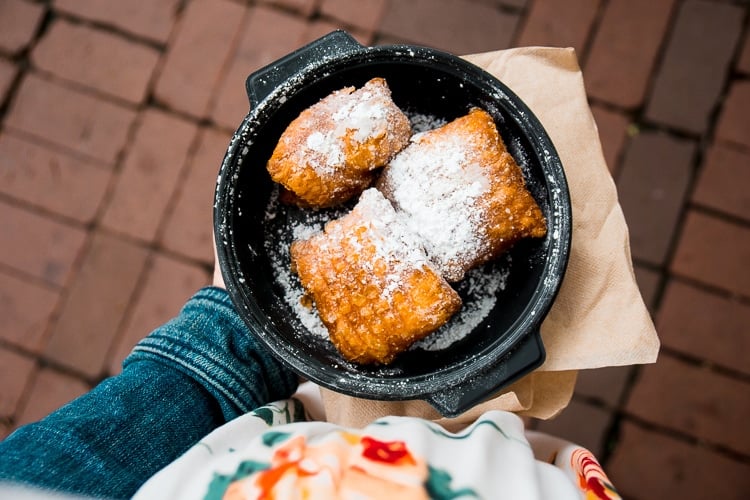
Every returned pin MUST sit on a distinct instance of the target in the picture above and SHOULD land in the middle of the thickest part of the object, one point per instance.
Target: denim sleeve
(186, 378)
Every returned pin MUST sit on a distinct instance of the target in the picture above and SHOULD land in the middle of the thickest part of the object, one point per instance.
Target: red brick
(321, 27)
(715, 252)
(96, 304)
(19, 20)
(625, 49)
(695, 65)
(197, 54)
(605, 384)
(72, 119)
(506, 3)
(458, 26)
(647, 464)
(304, 7)
(613, 127)
(720, 183)
(26, 309)
(150, 174)
(167, 286)
(580, 423)
(152, 19)
(652, 185)
(51, 180)
(50, 390)
(734, 121)
(365, 14)
(705, 325)
(8, 73)
(38, 246)
(189, 228)
(551, 23)
(694, 400)
(15, 371)
(743, 63)
(96, 59)
(268, 35)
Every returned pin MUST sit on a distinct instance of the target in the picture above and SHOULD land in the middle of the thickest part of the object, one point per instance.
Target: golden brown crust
(462, 192)
(330, 152)
(371, 283)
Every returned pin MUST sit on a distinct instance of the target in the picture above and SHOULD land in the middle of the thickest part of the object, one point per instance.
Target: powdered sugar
(284, 224)
(479, 290)
(366, 116)
(444, 217)
(451, 181)
(346, 116)
(394, 243)
(421, 122)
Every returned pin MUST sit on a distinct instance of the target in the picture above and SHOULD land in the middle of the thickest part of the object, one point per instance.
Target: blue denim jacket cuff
(209, 342)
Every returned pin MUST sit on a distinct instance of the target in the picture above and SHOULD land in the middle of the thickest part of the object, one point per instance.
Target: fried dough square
(460, 190)
(372, 284)
(331, 151)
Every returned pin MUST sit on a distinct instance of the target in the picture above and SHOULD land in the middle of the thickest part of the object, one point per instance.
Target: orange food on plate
(461, 192)
(331, 152)
(371, 282)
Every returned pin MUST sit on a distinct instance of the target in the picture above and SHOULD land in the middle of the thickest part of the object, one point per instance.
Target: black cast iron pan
(249, 227)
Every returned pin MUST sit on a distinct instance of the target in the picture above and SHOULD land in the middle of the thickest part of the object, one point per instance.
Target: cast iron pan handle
(262, 82)
(452, 401)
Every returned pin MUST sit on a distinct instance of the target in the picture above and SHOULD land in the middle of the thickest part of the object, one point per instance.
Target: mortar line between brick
(713, 367)
(149, 98)
(712, 289)
(56, 148)
(116, 172)
(127, 314)
(679, 225)
(688, 438)
(719, 214)
(613, 433)
(64, 294)
(288, 9)
(82, 88)
(23, 401)
(701, 144)
(674, 15)
(182, 176)
(43, 212)
(228, 61)
(593, 31)
(731, 77)
(49, 364)
(704, 142)
(523, 18)
(23, 62)
(30, 278)
(106, 27)
(12, 90)
(708, 287)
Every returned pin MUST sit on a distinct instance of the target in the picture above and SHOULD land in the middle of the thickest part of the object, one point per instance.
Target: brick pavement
(114, 117)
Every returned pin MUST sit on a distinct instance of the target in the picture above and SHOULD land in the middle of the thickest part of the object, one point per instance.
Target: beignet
(371, 282)
(460, 190)
(330, 152)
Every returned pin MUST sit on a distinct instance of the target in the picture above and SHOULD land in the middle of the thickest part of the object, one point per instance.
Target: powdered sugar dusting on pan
(284, 224)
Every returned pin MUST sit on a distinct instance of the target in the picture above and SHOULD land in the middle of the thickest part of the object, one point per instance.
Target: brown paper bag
(599, 318)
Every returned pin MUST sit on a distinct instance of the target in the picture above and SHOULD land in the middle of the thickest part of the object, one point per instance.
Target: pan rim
(420, 386)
